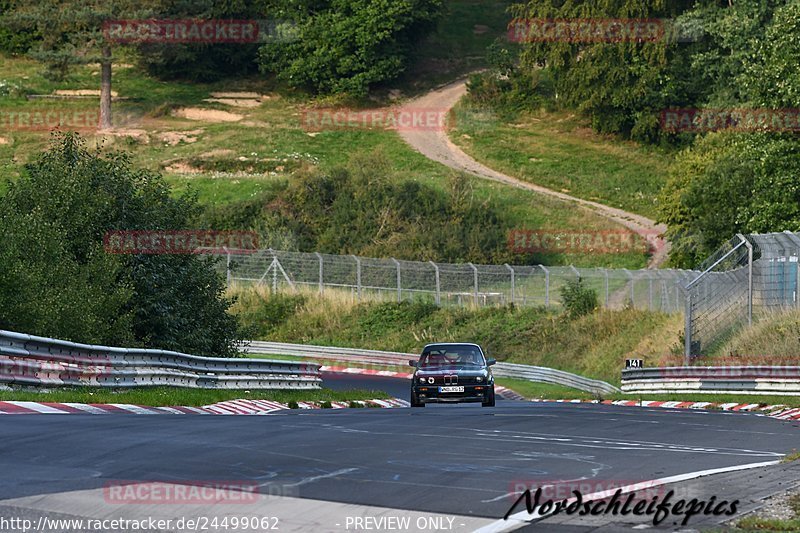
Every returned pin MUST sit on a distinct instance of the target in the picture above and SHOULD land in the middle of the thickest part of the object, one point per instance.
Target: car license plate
(451, 389)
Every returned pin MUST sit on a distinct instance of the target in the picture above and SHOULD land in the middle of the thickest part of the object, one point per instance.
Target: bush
(366, 209)
(58, 280)
(347, 46)
(578, 299)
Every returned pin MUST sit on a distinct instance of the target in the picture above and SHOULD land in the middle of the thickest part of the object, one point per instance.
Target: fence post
(577, 274)
(274, 270)
(358, 276)
(475, 282)
(633, 287)
(319, 257)
(512, 282)
(399, 286)
(749, 278)
(546, 286)
(607, 296)
(687, 334)
(438, 285)
(227, 266)
(650, 291)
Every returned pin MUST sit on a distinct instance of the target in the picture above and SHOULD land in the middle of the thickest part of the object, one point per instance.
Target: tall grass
(594, 345)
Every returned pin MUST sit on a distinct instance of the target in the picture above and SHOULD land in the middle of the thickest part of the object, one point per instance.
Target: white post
(438, 285)
(399, 286)
(512, 282)
(475, 282)
(546, 286)
(319, 257)
(358, 275)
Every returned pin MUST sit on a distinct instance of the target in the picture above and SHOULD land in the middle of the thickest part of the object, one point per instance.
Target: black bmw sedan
(452, 372)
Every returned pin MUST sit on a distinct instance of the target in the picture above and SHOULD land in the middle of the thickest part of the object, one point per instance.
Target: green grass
(167, 396)
(542, 391)
(755, 523)
(559, 151)
(594, 346)
(272, 132)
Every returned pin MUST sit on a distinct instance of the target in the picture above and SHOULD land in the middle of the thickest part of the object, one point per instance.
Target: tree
(622, 86)
(61, 282)
(347, 46)
(72, 33)
(727, 184)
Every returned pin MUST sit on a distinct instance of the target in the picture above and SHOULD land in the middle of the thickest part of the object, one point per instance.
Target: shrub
(578, 299)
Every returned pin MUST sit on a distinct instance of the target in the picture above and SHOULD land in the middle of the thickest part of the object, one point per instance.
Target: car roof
(452, 344)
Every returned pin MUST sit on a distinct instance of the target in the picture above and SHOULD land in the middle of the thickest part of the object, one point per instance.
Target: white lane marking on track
(524, 518)
(307, 480)
(594, 442)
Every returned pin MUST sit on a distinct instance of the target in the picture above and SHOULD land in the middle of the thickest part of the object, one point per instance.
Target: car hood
(449, 371)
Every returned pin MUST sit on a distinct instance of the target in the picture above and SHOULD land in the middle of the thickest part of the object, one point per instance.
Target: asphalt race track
(322, 467)
(394, 387)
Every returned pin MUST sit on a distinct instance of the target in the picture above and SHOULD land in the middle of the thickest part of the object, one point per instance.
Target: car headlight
(479, 379)
(430, 380)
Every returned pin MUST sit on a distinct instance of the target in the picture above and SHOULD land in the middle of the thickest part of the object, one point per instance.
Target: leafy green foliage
(202, 61)
(727, 184)
(578, 300)
(362, 209)
(621, 86)
(71, 31)
(62, 283)
(347, 46)
(14, 41)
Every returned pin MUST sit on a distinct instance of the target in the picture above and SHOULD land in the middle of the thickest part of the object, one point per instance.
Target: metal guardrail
(377, 357)
(40, 361)
(783, 380)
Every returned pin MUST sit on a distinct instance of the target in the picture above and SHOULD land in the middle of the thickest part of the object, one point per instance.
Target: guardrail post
(475, 282)
(399, 286)
(546, 286)
(438, 284)
(512, 281)
(358, 275)
(321, 285)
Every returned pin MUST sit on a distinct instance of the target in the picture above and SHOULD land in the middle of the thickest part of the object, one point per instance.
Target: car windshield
(450, 356)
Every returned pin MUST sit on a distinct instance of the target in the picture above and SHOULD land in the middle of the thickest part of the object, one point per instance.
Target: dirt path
(436, 145)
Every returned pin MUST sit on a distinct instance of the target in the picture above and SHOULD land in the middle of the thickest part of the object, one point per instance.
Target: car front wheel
(414, 402)
(489, 400)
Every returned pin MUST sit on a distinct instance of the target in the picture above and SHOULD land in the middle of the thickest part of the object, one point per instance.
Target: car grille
(451, 380)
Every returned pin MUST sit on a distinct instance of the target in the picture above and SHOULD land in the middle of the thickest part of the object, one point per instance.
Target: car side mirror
(490, 362)
(412, 363)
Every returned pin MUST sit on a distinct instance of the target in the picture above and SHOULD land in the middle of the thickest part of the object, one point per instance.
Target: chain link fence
(750, 275)
(453, 284)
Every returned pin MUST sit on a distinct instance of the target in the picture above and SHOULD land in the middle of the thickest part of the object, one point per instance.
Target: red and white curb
(780, 412)
(504, 392)
(230, 407)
